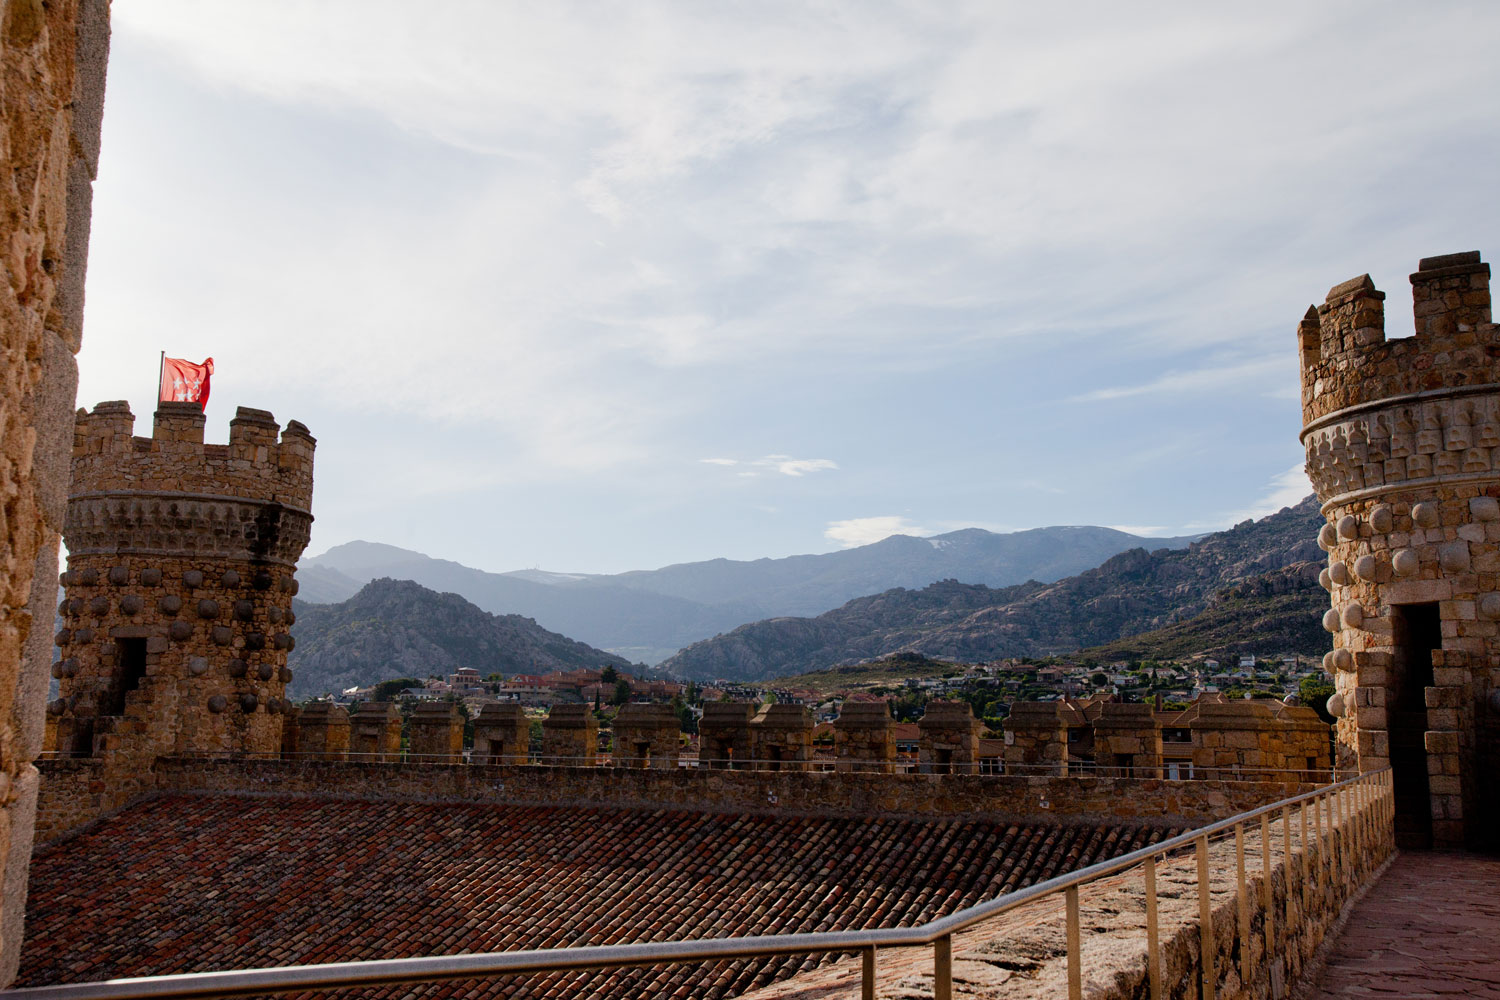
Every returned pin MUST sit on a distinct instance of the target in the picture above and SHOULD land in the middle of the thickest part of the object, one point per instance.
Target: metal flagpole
(161, 373)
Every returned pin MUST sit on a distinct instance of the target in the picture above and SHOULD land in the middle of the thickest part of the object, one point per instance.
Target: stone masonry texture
(1403, 448)
(52, 70)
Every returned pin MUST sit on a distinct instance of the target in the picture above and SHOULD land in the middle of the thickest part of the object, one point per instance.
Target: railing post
(1286, 867)
(1304, 864)
(942, 968)
(1075, 945)
(1153, 941)
(1267, 890)
(867, 975)
(1244, 900)
(1206, 940)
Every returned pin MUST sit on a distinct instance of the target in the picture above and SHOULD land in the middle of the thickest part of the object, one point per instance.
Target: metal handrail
(444, 967)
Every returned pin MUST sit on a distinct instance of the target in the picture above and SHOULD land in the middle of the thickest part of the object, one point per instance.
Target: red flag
(184, 382)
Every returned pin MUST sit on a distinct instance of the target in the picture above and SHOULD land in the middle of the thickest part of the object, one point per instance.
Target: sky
(599, 287)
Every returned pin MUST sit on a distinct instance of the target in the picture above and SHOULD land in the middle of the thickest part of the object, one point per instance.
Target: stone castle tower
(1403, 448)
(179, 584)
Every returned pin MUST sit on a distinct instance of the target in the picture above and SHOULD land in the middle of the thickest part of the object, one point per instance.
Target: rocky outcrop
(397, 628)
(1134, 592)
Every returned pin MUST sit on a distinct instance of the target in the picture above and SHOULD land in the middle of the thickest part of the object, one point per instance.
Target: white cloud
(1211, 379)
(865, 530)
(783, 464)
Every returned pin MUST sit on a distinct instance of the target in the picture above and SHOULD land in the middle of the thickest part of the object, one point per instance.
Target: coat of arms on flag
(184, 382)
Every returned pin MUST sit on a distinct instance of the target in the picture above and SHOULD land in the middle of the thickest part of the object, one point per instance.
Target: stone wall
(646, 736)
(1403, 448)
(52, 73)
(502, 735)
(1035, 799)
(864, 733)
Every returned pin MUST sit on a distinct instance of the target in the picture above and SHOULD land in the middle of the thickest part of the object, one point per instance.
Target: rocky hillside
(397, 628)
(1136, 591)
(649, 615)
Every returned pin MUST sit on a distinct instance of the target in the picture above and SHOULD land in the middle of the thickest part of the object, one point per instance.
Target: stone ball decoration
(1343, 660)
(1339, 574)
(63, 637)
(1454, 556)
(1324, 579)
(75, 606)
(1382, 520)
(1336, 705)
(230, 578)
(170, 605)
(1425, 515)
(294, 588)
(244, 611)
(222, 635)
(291, 617)
(1489, 606)
(286, 583)
(237, 668)
(208, 608)
(99, 607)
(1327, 537)
(1331, 620)
(58, 670)
(1328, 662)
(274, 615)
(57, 706)
(84, 635)
(180, 630)
(265, 671)
(217, 703)
(119, 575)
(151, 577)
(248, 702)
(286, 675)
(255, 640)
(1354, 615)
(1348, 527)
(1485, 509)
(131, 604)
(262, 580)
(198, 665)
(88, 577)
(283, 641)
(192, 578)
(1366, 567)
(273, 706)
(1405, 562)
(65, 578)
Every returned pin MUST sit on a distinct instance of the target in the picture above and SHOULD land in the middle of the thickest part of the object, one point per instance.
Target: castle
(179, 584)
(1403, 448)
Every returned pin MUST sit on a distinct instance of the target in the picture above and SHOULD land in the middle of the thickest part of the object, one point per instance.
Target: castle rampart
(1403, 448)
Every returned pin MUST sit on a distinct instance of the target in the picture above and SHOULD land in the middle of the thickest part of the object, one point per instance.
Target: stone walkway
(1429, 928)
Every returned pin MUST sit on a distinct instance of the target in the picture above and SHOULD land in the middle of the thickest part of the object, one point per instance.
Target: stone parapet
(781, 737)
(435, 731)
(724, 734)
(502, 735)
(646, 735)
(570, 733)
(1036, 738)
(375, 731)
(865, 734)
(323, 730)
(1127, 739)
(949, 739)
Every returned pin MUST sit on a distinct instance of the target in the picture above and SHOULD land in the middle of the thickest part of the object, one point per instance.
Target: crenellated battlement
(1348, 362)
(261, 462)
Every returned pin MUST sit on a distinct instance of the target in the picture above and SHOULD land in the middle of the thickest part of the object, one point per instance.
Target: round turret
(177, 604)
(1403, 448)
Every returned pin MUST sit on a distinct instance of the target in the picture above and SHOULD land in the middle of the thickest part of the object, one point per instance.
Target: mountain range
(1252, 564)
(648, 615)
(397, 628)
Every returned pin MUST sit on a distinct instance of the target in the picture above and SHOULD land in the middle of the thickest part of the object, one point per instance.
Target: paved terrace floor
(1429, 928)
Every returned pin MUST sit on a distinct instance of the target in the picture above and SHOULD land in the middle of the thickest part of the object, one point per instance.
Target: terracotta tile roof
(199, 882)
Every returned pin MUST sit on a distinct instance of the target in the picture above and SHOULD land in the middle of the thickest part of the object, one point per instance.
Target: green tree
(1098, 679)
(622, 692)
(387, 690)
(1315, 692)
(609, 674)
